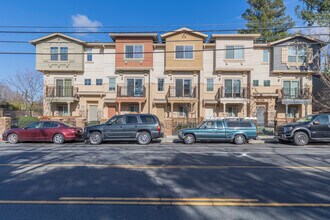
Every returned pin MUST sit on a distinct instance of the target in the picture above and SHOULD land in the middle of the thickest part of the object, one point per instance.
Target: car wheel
(189, 139)
(239, 139)
(12, 138)
(144, 138)
(95, 138)
(58, 139)
(300, 138)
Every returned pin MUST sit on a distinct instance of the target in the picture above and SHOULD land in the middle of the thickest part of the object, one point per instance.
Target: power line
(145, 52)
(132, 32)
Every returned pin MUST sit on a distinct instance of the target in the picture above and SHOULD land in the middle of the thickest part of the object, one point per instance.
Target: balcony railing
(124, 91)
(232, 92)
(61, 91)
(181, 92)
(295, 93)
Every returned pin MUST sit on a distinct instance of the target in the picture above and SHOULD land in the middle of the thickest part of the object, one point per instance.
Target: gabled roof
(36, 41)
(184, 29)
(131, 34)
(298, 35)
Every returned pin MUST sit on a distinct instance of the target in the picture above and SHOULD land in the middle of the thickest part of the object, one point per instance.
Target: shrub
(25, 121)
(93, 123)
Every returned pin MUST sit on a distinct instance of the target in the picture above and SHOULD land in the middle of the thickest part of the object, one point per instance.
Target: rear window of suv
(147, 119)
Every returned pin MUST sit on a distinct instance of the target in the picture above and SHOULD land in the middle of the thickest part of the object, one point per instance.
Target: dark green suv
(235, 130)
(142, 128)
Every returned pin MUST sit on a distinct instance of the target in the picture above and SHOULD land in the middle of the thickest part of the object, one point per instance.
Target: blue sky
(111, 13)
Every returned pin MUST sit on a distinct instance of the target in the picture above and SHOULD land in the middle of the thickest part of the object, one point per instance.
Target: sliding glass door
(134, 87)
(232, 88)
(183, 88)
(63, 88)
(291, 89)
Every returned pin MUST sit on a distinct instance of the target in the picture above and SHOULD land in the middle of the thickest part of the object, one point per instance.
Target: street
(164, 181)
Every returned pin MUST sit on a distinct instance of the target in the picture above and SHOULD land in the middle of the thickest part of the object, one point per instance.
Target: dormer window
(134, 52)
(297, 53)
(184, 52)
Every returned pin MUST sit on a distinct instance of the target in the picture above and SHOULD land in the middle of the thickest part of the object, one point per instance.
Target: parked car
(236, 130)
(142, 128)
(308, 129)
(56, 132)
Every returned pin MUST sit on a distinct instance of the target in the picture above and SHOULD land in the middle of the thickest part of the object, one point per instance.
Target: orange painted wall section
(147, 60)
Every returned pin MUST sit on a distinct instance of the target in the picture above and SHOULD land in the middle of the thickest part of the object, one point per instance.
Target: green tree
(314, 12)
(268, 18)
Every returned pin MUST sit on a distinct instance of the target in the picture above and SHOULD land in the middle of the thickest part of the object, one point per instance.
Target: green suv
(238, 131)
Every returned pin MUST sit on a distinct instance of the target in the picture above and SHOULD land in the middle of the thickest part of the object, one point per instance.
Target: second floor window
(184, 52)
(297, 54)
(99, 82)
(64, 53)
(89, 54)
(54, 53)
(133, 51)
(255, 82)
(160, 85)
(234, 52)
(112, 84)
(88, 82)
(265, 56)
(209, 85)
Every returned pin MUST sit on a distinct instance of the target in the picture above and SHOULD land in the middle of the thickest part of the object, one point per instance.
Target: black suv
(142, 128)
(309, 128)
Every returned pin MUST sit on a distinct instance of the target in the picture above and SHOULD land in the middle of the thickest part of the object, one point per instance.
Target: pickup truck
(237, 131)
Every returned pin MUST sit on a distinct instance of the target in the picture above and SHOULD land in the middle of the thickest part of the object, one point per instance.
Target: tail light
(158, 128)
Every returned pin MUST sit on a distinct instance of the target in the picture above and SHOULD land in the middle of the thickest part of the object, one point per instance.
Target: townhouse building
(179, 74)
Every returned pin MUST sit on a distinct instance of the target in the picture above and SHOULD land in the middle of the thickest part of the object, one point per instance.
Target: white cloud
(83, 23)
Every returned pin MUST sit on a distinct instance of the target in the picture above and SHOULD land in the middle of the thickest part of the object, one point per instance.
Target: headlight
(287, 129)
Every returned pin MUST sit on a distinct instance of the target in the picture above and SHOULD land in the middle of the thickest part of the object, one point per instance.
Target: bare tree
(29, 84)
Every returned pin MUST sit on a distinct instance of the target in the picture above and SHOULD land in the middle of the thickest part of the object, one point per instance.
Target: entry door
(134, 87)
(92, 113)
(209, 113)
(232, 111)
(261, 115)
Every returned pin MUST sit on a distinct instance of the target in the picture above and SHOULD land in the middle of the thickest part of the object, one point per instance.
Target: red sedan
(54, 131)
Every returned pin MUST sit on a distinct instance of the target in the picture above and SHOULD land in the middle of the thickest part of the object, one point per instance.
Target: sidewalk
(261, 140)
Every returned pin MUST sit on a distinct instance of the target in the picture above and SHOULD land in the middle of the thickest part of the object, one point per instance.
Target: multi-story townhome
(181, 76)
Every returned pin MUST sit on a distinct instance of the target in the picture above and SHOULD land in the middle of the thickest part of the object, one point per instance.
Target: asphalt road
(164, 181)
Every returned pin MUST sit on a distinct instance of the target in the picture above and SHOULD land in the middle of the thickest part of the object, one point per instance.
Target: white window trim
(268, 57)
(193, 53)
(96, 82)
(87, 52)
(85, 83)
(164, 85)
(214, 89)
(297, 62)
(233, 59)
(127, 59)
(110, 77)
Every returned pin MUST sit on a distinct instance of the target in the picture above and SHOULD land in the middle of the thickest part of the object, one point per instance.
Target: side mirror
(316, 123)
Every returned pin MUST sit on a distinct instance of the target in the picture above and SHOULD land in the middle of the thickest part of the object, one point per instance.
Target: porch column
(140, 105)
(171, 113)
(224, 110)
(286, 111)
(244, 109)
(69, 110)
(306, 109)
(119, 108)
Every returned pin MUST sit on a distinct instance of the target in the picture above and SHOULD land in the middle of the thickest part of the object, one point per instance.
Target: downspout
(149, 100)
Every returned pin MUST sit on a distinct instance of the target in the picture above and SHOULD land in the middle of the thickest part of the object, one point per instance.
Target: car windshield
(307, 118)
(201, 124)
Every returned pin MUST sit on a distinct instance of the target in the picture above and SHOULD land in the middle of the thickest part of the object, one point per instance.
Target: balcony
(61, 93)
(295, 93)
(181, 92)
(131, 92)
(232, 93)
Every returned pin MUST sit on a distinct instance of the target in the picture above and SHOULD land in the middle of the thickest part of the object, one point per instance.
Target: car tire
(239, 139)
(144, 138)
(189, 139)
(58, 139)
(300, 138)
(12, 138)
(95, 138)
(284, 141)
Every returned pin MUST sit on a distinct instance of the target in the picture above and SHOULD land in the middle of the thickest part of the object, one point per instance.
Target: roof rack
(230, 118)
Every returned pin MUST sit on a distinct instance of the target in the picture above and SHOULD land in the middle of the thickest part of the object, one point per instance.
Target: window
(160, 85)
(63, 110)
(233, 124)
(234, 52)
(88, 82)
(184, 52)
(291, 89)
(99, 82)
(233, 88)
(134, 108)
(265, 56)
(232, 111)
(116, 120)
(182, 112)
(147, 119)
(134, 51)
(220, 125)
(209, 124)
(64, 54)
(255, 82)
(112, 84)
(292, 112)
(49, 124)
(131, 120)
(297, 54)
(54, 53)
(89, 54)
(266, 82)
(34, 125)
(209, 85)
(245, 124)
(323, 119)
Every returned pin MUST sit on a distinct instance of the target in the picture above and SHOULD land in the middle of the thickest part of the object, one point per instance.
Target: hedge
(25, 121)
